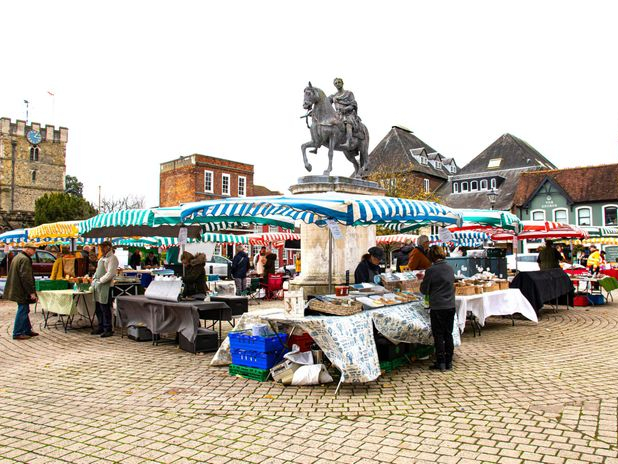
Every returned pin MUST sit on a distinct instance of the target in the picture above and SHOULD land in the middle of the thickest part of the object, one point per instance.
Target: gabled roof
(512, 152)
(261, 191)
(583, 184)
(397, 151)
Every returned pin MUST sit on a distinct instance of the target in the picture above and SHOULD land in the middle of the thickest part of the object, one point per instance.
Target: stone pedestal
(347, 251)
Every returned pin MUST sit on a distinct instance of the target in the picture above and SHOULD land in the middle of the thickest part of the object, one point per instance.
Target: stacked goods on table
(255, 351)
(387, 299)
(407, 281)
(335, 306)
(482, 282)
(81, 284)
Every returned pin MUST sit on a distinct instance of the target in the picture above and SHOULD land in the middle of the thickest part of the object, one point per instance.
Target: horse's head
(312, 96)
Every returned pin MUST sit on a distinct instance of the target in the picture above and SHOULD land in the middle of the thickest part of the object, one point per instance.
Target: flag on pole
(51, 93)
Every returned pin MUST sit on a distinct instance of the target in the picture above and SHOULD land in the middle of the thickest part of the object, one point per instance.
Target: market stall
(66, 304)
(540, 287)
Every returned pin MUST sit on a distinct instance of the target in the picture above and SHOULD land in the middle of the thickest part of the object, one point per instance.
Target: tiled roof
(583, 184)
(512, 152)
(399, 150)
(261, 191)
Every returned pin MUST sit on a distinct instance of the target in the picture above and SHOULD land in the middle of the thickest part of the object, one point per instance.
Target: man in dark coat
(402, 256)
(20, 289)
(240, 266)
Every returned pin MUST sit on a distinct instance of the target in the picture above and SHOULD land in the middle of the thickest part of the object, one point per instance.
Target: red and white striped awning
(397, 238)
(276, 239)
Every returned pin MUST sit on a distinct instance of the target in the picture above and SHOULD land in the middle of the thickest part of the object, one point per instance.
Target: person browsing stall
(20, 288)
(240, 267)
(594, 260)
(549, 257)
(438, 284)
(418, 257)
(194, 277)
(136, 259)
(102, 285)
(151, 260)
(369, 266)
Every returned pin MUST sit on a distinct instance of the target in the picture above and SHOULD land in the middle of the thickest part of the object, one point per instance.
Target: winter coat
(439, 284)
(402, 256)
(195, 276)
(104, 277)
(365, 271)
(418, 260)
(20, 280)
(240, 265)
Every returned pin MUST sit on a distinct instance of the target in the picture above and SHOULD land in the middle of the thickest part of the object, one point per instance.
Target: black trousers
(442, 330)
(104, 314)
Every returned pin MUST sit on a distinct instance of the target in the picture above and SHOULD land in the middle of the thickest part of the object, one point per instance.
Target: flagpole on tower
(53, 115)
(27, 103)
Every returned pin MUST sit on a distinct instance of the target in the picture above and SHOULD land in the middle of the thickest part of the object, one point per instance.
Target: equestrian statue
(335, 124)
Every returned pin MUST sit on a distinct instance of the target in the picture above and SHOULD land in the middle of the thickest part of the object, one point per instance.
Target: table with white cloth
(499, 303)
(67, 304)
(348, 341)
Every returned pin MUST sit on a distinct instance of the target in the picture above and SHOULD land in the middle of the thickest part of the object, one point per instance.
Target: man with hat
(418, 258)
(20, 289)
(369, 266)
(102, 285)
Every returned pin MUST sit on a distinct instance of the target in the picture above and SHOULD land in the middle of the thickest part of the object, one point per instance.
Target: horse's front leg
(331, 149)
(304, 147)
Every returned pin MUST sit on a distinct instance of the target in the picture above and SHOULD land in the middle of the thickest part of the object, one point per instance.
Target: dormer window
(438, 164)
(424, 160)
(484, 184)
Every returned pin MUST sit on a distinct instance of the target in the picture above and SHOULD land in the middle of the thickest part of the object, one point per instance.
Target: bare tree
(111, 204)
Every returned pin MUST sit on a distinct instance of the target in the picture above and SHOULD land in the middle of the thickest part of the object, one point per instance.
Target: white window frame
(538, 211)
(464, 184)
(555, 210)
(603, 212)
(424, 160)
(438, 164)
(484, 184)
(212, 181)
(244, 186)
(455, 187)
(578, 209)
(493, 183)
(223, 192)
(472, 183)
(426, 185)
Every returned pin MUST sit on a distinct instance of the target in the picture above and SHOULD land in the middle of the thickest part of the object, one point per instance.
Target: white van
(525, 262)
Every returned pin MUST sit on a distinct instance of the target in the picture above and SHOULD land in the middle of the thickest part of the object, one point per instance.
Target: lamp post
(492, 195)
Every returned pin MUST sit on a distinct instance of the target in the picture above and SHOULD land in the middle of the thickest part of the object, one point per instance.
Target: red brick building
(199, 177)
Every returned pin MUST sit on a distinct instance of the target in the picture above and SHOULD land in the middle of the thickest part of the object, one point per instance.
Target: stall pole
(330, 262)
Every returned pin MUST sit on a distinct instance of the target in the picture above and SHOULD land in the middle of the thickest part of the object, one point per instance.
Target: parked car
(42, 262)
(525, 262)
(219, 265)
(288, 270)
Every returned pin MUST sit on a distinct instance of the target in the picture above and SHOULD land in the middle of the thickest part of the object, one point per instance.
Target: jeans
(442, 330)
(22, 324)
(241, 285)
(103, 311)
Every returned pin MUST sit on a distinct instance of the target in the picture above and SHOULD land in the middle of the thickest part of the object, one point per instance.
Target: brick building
(32, 163)
(199, 177)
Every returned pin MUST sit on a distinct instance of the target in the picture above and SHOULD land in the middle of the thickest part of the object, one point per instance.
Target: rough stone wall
(18, 189)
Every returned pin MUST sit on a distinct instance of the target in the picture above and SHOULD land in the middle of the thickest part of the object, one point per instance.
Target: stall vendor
(194, 277)
(369, 266)
(151, 260)
(135, 260)
(418, 258)
(594, 260)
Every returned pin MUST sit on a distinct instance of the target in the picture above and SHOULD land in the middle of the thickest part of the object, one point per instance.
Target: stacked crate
(253, 356)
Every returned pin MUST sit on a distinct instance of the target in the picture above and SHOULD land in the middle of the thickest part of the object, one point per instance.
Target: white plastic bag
(314, 374)
(299, 357)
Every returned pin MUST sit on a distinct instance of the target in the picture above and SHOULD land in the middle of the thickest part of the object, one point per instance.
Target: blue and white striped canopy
(346, 209)
(14, 236)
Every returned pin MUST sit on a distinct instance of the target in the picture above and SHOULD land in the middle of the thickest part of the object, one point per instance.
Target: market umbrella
(15, 236)
(602, 231)
(473, 219)
(464, 238)
(64, 229)
(395, 238)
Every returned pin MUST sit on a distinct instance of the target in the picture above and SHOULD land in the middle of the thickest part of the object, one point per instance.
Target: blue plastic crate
(596, 299)
(242, 341)
(256, 359)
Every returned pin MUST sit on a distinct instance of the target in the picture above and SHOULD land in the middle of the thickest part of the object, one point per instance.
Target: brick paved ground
(530, 393)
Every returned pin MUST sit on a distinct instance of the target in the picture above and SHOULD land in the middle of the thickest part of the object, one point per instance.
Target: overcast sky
(140, 83)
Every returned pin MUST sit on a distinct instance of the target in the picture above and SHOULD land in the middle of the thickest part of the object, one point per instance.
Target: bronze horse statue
(328, 130)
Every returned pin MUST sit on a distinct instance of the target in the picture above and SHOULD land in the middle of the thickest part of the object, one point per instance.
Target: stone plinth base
(347, 251)
(319, 184)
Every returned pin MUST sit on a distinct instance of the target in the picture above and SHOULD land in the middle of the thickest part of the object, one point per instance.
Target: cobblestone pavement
(530, 393)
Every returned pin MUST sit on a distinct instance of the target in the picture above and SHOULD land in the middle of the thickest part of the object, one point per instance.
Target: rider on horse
(346, 107)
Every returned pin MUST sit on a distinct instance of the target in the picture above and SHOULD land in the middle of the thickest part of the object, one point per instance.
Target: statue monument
(335, 124)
